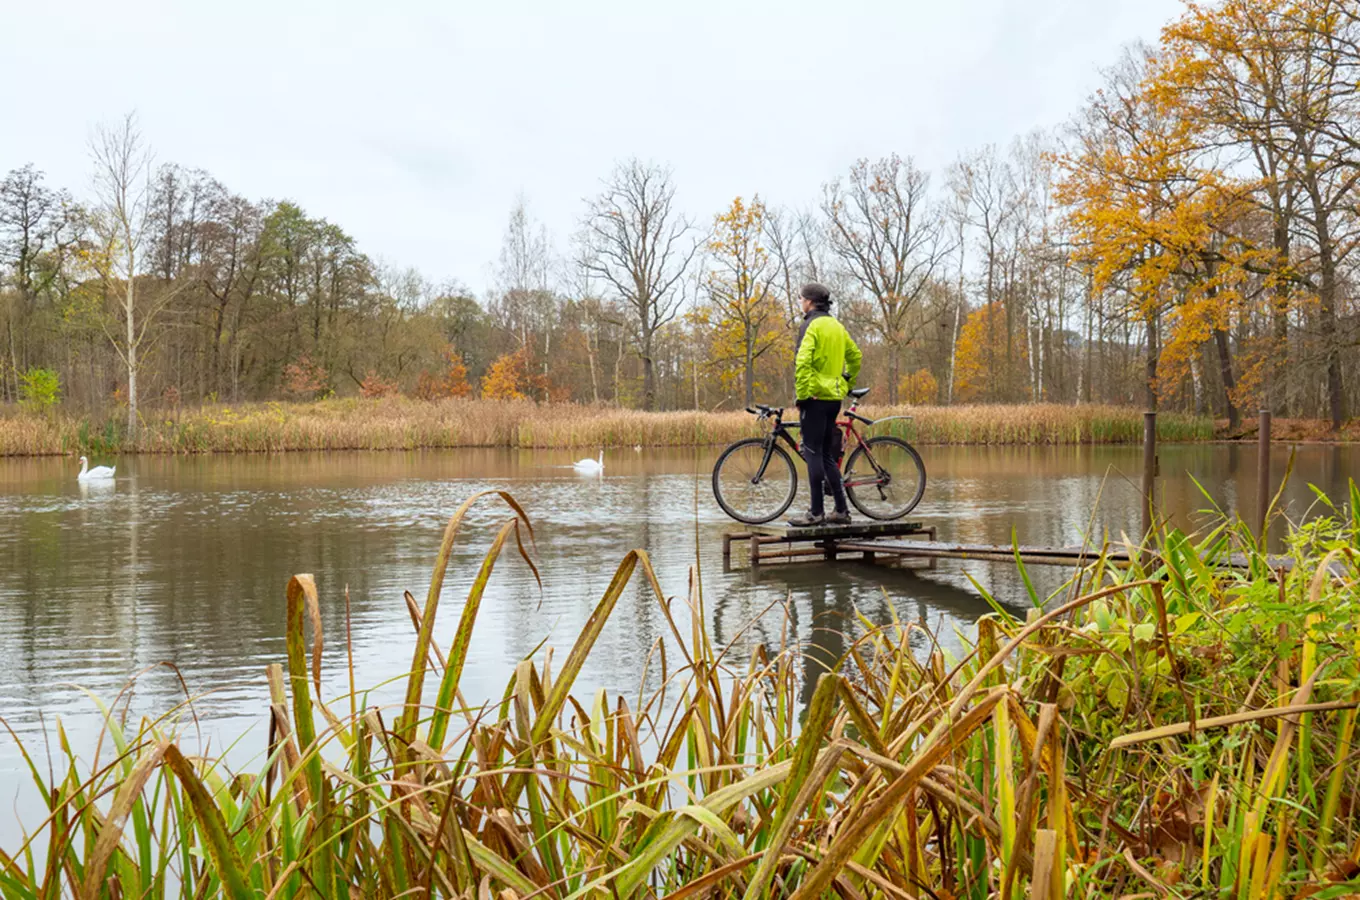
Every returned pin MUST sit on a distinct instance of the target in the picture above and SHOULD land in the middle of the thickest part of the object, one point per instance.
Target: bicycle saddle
(859, 392)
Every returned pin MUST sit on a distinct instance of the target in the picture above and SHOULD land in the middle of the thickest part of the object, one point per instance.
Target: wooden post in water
(1263, 476)
(1149, 472)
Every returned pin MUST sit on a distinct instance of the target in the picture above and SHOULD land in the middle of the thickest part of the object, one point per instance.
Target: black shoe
(807, 520)
(838, 518)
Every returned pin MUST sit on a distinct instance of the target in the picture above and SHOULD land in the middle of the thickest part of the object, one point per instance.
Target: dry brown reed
(403, 424)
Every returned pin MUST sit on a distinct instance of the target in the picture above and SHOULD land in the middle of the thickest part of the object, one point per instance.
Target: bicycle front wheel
(885, 478)
(754, 483)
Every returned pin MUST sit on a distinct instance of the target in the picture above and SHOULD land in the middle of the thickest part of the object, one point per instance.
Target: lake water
(185, 560)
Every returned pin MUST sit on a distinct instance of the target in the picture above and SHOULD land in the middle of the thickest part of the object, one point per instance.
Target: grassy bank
(399, 424)
(1179, 730)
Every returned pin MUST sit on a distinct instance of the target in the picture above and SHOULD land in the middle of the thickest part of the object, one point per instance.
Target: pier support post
(1149, 472)
(1263, 477)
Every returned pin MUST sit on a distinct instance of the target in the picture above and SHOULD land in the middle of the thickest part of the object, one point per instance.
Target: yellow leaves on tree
(747, 324)
(508, 377)
(1151, 219)
(978, 375)
(920, 388)
(511, 377)
(452, 382)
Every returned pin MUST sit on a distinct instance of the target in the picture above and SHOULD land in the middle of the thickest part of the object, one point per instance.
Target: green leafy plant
(39, 390)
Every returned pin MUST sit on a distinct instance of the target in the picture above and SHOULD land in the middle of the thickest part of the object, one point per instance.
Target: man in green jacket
(825, 368)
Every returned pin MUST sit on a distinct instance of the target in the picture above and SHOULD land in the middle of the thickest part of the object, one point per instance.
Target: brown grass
(402, 424)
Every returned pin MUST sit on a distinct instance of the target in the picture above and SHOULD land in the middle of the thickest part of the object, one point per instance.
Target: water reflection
(822, 617)
(184, 560)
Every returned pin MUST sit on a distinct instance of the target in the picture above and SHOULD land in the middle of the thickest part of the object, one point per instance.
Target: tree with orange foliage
(1271, 84)
(748, 322)
(375, 386)
(982, 341)
(305, 379)
(1153, 225)
(452, 382)
(511, 377)
(508, 377)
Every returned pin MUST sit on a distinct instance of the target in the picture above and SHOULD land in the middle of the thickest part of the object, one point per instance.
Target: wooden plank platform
(780, 543)
(1057, 556)
(861, 529)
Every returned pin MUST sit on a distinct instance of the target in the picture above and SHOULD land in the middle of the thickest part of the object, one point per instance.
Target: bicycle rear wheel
(751, 486)
(885, 478)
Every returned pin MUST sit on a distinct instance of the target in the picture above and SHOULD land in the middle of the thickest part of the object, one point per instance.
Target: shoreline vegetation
(403, 424)
(1181, 728)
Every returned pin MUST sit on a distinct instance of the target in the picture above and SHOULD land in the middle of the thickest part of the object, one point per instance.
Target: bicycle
(755, 481)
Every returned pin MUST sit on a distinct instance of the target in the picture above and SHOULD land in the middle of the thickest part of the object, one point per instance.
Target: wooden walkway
(895, 541)
(785, 543)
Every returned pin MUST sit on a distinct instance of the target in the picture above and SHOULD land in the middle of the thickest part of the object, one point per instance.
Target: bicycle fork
(765, 461)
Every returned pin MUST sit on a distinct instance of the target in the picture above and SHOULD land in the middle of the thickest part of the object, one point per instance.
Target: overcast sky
(414, 125)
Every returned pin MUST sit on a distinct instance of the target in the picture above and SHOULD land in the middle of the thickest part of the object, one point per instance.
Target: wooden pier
(777, 542)
(893, 542)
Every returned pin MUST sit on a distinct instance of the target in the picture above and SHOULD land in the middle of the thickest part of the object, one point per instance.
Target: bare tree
(120, 221)
(641, 248)
(525, 303)
(522, 275)
(890, 242)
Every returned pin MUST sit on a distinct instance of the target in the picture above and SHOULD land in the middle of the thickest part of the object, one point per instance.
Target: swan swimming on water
(590, 466)
(98, 473)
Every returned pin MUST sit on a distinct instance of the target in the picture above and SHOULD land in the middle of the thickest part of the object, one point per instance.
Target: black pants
(818, 421)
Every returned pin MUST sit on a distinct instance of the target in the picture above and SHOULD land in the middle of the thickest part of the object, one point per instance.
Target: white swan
(590, 466)
(98, 473)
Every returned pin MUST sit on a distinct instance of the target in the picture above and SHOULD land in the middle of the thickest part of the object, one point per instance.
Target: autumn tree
(1270, 85)
(981, 342)
(889, 239)
(919, 388)
(509, 377)
(449, 382)
(748, 322)
(641, 248)
(1149, 221)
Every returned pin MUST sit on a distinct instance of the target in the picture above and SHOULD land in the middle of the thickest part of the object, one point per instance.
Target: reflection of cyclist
(825, 369)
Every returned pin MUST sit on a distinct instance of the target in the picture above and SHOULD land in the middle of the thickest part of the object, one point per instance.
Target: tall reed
(1182, 728)
(401, 424)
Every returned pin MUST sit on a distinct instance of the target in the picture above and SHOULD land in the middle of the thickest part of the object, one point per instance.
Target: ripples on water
(184, 561)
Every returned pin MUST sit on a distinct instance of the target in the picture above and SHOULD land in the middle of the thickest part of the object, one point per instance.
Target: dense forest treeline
(1187, 240)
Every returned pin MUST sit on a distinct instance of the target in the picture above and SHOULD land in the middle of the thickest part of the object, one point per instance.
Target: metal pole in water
(1149, 471)
(1263, 476)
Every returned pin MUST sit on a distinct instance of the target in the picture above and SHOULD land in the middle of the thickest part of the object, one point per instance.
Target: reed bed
(1178, 729)
(401, 424)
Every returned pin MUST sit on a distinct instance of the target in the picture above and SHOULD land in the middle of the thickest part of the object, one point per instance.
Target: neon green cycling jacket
(828, 360)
